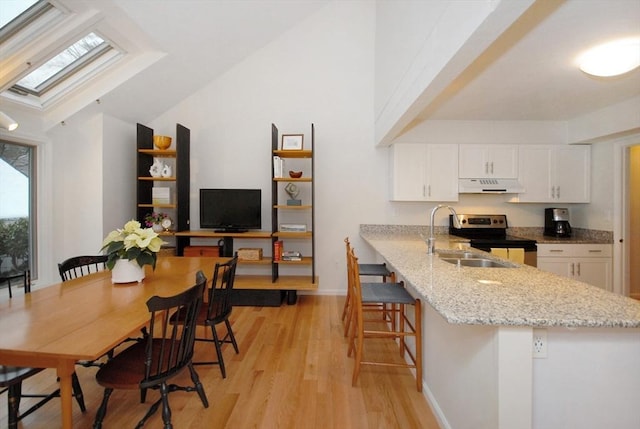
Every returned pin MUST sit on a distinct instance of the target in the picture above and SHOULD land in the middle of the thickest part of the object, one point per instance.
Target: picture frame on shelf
(292, 142)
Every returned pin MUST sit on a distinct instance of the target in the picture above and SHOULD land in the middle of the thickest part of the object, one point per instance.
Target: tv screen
(231, 210)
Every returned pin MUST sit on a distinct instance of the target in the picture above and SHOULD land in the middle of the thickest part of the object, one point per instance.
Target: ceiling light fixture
(611, 59)
(7, 123)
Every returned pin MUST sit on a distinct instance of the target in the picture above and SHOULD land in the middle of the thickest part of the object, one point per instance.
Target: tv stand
(230, 230)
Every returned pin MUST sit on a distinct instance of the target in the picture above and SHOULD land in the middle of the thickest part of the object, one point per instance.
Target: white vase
(157, 227)
(125, 271)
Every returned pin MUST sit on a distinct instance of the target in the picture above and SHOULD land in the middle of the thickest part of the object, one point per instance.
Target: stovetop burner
(486, 231)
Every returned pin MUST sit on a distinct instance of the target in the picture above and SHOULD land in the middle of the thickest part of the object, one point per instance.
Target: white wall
(77, 186)
(319, 72)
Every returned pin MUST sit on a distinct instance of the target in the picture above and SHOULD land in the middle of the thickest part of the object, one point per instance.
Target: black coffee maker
(556, 222)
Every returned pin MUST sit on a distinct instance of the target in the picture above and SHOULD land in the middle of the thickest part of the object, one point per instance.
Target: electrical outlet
(540, 343)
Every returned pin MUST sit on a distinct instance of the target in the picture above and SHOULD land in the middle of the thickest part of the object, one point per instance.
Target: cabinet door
(595, 271)
(572, 174)
(497, 161)
(503, 161)
(535, 173)
(441, 172)
(559, 266)
(472, 161)
(407, 170)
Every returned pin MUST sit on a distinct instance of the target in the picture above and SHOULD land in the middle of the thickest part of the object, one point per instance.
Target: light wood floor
(292, 372)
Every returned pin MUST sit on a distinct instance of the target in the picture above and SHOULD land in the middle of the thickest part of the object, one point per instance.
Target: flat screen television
(231, 210)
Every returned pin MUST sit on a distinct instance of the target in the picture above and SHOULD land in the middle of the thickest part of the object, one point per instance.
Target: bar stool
(397, 298)
(373, 270)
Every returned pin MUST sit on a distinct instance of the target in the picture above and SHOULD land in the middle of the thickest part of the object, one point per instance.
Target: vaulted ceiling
(529, 73)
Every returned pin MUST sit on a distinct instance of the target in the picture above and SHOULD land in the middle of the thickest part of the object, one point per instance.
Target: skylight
(60, 66)
(47, 56)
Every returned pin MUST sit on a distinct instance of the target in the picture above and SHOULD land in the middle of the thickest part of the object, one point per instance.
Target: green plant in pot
(132, 243)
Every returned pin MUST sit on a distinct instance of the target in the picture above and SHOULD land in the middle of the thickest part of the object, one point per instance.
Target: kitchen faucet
(431, 241)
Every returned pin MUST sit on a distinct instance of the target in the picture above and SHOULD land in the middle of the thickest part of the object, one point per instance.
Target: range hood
(489, 186)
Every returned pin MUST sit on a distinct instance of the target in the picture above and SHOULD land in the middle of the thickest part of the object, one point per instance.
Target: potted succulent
(129, 250)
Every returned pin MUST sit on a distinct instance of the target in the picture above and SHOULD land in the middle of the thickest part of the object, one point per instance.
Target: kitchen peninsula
(478, 330)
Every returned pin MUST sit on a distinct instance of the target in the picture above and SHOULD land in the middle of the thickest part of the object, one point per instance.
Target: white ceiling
(532, 75)
(528, 74)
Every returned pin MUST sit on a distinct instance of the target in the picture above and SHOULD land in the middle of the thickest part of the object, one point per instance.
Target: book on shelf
(277, 250)
(160, 195)
(291, 256)
(278, 167)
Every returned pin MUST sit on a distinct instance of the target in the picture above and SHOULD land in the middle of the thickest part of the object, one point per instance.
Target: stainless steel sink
(477, 262)
(460, 255)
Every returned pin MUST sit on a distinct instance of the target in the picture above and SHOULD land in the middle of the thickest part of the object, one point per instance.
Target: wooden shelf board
(263, 261)
(293, 153)
(160, 206)
(157, 179)
(282, 283)
(291, 179)
(210, 233)
(285, 207)
(283, 234)
(158, 152)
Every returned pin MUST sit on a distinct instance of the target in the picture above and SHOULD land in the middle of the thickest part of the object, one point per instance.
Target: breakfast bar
(479, 324)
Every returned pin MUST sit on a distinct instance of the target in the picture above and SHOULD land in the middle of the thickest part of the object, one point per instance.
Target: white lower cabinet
(589, 263)
(424, 172)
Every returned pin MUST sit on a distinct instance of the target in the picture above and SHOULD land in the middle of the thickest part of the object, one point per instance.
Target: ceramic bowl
(295, 174)
(162, 142)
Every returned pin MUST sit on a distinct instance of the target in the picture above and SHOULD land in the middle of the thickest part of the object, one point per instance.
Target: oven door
(530, 248)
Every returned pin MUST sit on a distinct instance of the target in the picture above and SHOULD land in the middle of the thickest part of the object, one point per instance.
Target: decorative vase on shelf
(125, 271)
(156, 168)
(166, 171)
(157, 227)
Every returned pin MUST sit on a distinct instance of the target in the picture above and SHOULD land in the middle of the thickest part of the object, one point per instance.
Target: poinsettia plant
(132, 243)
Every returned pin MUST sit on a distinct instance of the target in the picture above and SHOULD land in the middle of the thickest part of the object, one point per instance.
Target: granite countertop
(519, 296)
(578, 236)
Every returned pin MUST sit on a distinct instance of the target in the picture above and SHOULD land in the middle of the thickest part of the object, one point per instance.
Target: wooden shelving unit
(179, 183)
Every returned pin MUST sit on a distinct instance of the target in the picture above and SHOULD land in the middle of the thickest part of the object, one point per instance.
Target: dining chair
(161, 356)
(25, 276)
(397, 298)
(11, 378)
(79, 266)
(217, 311)
(367, 270)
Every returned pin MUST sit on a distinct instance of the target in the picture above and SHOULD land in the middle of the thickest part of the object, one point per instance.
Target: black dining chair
(79, 266)
(218, 310)
(161, 356)
(24, 276)
(11, 380)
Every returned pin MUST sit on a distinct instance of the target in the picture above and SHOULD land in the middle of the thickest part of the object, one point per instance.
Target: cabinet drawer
(575, 250)
(208, 251)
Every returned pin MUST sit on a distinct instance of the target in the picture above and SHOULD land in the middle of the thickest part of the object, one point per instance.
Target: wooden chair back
(219, 305)
(25, 276)
(169, 347)
(79, 266)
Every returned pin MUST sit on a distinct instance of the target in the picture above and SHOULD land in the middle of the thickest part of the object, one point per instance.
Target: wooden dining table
(84, 318)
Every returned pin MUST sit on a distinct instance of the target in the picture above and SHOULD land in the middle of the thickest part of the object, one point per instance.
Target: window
(17, 222)
(73, 58)
(39, 75)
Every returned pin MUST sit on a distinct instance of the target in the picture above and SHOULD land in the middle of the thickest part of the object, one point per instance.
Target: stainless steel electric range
(490, 231)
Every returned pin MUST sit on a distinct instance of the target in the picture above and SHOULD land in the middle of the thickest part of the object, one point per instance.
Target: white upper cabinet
(551, 173)
(424, 172)
(488, 161)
